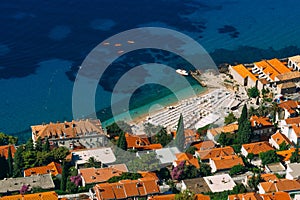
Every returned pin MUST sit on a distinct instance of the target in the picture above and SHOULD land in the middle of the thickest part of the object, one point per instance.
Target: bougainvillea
(177, 171)
(76, 179)
(24, 189)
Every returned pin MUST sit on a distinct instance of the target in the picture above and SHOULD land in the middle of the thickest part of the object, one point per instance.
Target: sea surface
(43, 43)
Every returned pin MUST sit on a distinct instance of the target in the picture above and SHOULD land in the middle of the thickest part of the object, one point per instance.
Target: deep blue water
(42, 43)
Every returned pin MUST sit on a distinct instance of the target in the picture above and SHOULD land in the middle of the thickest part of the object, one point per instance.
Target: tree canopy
(269, 157)
(253, 92)
(230, 118)
(244, 130)
(7, 139)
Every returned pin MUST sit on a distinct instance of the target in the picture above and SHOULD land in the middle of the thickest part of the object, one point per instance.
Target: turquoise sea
(42, 43)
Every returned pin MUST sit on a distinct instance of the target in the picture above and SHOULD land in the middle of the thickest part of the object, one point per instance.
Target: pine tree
(18, 162)
(10, 163)
(29, 146)
(64, 176)
(180, 138)
(39, 145)
(122, 144)
(46, 146)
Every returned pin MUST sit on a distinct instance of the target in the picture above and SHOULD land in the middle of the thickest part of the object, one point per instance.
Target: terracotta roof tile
(216, 152)
(276, 196)
(267, 69)
(36, 196)
(244, 72)
(288, 76)
(281, 185)
(98, 175)
(230, 128)
(163, 197)
(227, 162)
(260, 121)
(286, 154)
(4, 150)
(278, 66)
(289, 105)
(188, 158)
(257, 147)
(204, 145)
(67, 129)
(279, 138)
(245, 196)
(53, 168)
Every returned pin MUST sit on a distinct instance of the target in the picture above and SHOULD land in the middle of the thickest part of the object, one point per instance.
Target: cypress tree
(244, 130)
(122, 141)
(18, 162)
(39, 145)
(180, 138)
(64, 176)
(4, 167)
(10, 163)
(46, 146)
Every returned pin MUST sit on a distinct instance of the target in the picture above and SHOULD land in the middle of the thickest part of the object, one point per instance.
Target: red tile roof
(204, 145)
(36, 196)
(276, 196)
(98, 175)
(260, 121)
(140, 142)
(188, 158)
(216, 152)
(4, 150)
(257, 147)
(53, 168)
(289, 105)
(126, 188)
(245, 196)
(281, 185)
(227, 162)
(67, 129)
(279, 138)
(244, 72)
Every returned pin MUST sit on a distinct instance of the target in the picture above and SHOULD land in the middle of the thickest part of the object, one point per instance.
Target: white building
(291, 129)
(294, 62)
(166, 156)
(219, 183)
(103, 155)
(293, 171)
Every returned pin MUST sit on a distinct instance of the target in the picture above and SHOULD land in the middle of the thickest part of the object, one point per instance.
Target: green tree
(71, 187)
(4, 167)
(29, 146)
(190, 171)
(253, 92)
(146, 162)
(185, 195)
(254, 181)
(237, 169)
(42, 158)
(39, 144)
(284, 146)
(180, 137)
(239, 189)
(92, 162)
(125, 176)
(122, 144)
(10, 163)
(162, 137)
(116, 128)
(191, 150)
(46, 146)
(59, 154)
(269, 157)
(252, 111)
(226, 139)
(230, 118)
(7, 139)
(295, 158)
(205, 170)
(29, 158)
(244, 130)
(64, 176)
(18, 162)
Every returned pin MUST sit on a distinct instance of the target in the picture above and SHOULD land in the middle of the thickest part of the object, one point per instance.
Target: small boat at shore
(182, 72)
